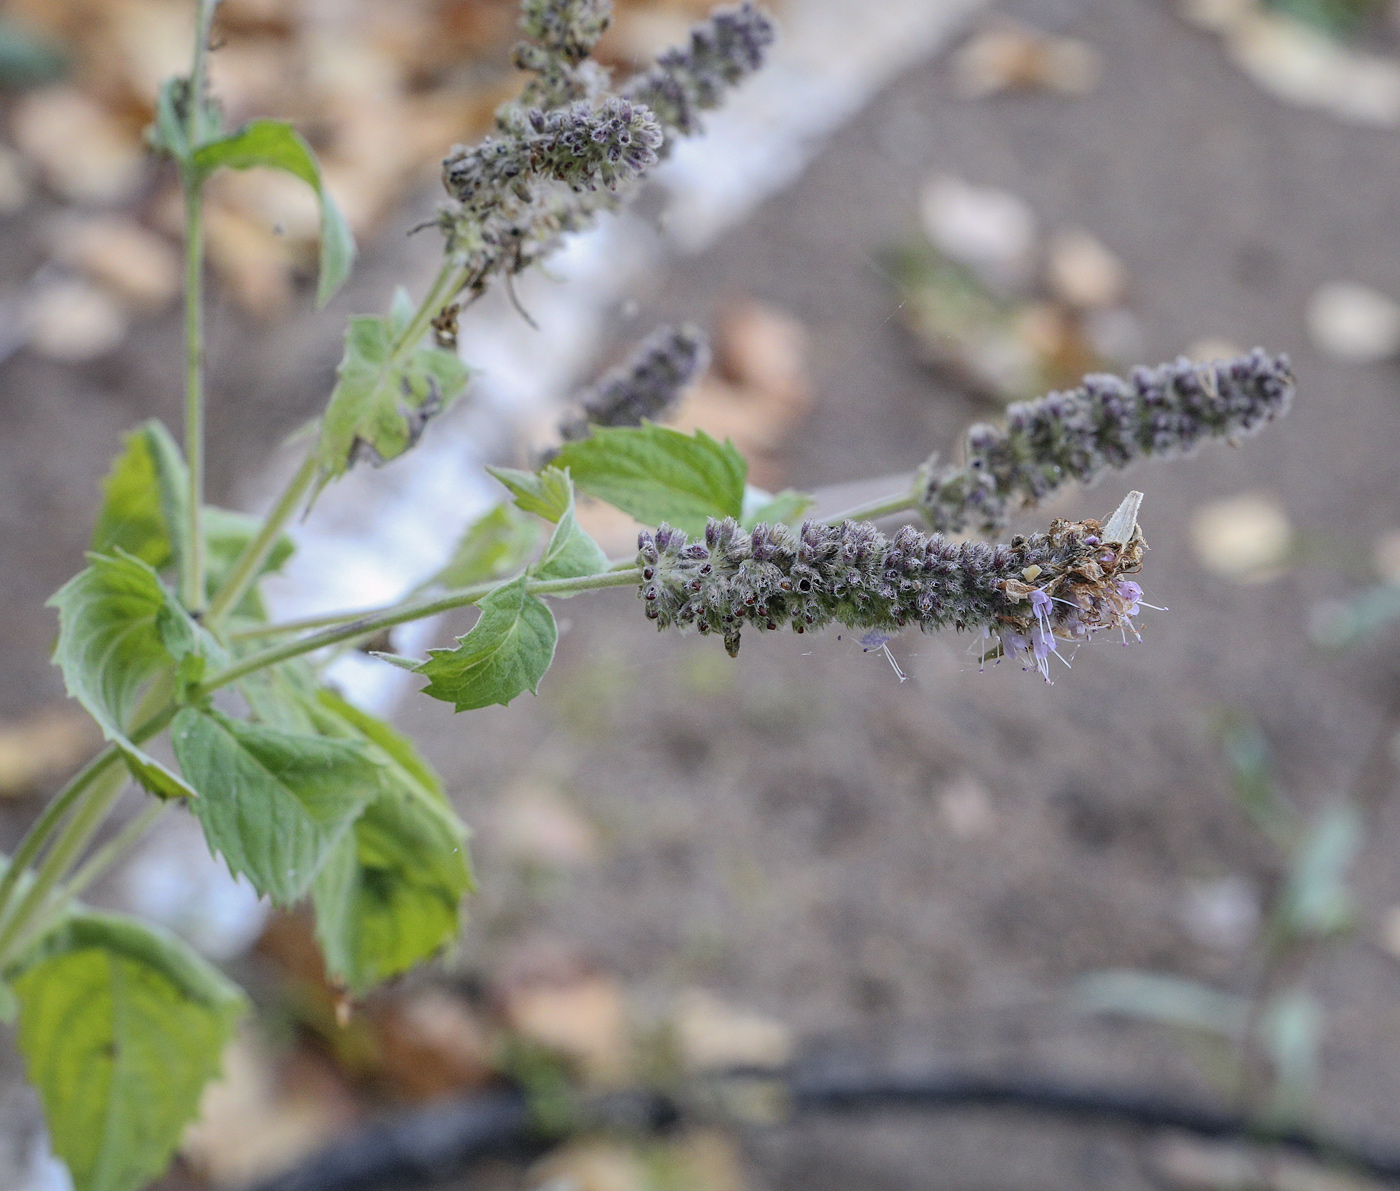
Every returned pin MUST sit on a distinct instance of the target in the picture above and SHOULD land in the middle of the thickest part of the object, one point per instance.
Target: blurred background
(1169, 872)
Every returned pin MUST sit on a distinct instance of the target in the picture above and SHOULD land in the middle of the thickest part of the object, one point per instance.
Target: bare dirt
(783, 828)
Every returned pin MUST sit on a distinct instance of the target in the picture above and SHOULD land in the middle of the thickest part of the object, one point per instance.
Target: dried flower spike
(1105, 424)
(580, 146)
(688, 80)
(647, 386)
(1064, 585)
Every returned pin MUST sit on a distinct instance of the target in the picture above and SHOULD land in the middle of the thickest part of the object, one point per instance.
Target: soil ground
(778, 828)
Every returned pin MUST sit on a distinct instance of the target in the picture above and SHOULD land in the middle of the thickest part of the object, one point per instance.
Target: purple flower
(1131, 594)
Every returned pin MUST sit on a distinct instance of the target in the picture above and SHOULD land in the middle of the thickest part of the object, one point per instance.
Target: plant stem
(885, 506)
(249, 563)
(101, 860)
(97, 799)
(47, 823)
(192, 557)
(373, 622)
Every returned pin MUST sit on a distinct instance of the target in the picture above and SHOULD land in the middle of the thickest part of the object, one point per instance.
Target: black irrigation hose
(428, 1144)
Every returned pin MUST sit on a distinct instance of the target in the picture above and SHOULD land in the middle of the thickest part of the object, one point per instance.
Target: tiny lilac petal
(1040, 602)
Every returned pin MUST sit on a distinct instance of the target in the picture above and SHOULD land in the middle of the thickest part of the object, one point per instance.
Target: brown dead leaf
(583, 1017)
(43, 745)
(255, 263)
(1009, 56)
(81, 152)
(535, 823)
(1083, 273)
(431, 1044)
(73, 321)
(133, 262)
(713, 1035)
(264, 1114)
(593, 1165)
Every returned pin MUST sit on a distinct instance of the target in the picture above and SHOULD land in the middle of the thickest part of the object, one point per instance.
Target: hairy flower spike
(647, 386)
(582, 147)
(688, 80)
(569, 28)
(1105, 424)
(852, 574)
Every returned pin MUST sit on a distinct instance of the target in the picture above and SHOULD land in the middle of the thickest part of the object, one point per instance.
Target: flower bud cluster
(580, 146)
(569, 28)
(688, 80)
(1105, 424)
(1066, 584)
(566, 152)
(647, 386)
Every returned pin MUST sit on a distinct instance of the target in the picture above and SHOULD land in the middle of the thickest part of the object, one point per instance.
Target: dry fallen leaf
(264, 1115)
(1082, 272)
(966, 807)
(584, 1018)
(1010, 56)
(81, 151)
(1247, 538)
(713, 1035)
(593, 1165)
(1354, 322)
(137, 264)
(759, 389)
(73, 321)
(43, 745)
(990, 231)
(431, 1044)
(534, 823)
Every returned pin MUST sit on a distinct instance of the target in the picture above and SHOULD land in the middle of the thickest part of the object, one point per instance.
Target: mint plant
(165, 633)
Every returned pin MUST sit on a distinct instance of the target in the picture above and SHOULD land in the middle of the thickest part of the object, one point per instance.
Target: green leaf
(168, 135)
(657, 474)
(143, 507)
(570, 551)
(508, 651)
(1291, 1029)
(785, 508)
(273, 803)
(279, 146)
(121, 1026)
(492, 547)
(401, 311)
(546, 494)
(143, 496)
(390, 894)
(119, 630)
(383, 398)
(1166, 999)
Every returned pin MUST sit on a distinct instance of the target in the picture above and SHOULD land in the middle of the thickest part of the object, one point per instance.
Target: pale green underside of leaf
(571, 552)
(272, 803)
(119, 629)
(546, 493)
(121, 1026)
(279, 146)
(380, 403)
(656, 474)
(508, 651)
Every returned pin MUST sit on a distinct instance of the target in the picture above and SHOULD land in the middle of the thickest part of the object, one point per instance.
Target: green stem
(192, 557)
(885, 506)
(47, 823)
(99, 797)
(249, 564)
(374, 622)
(100, 862)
